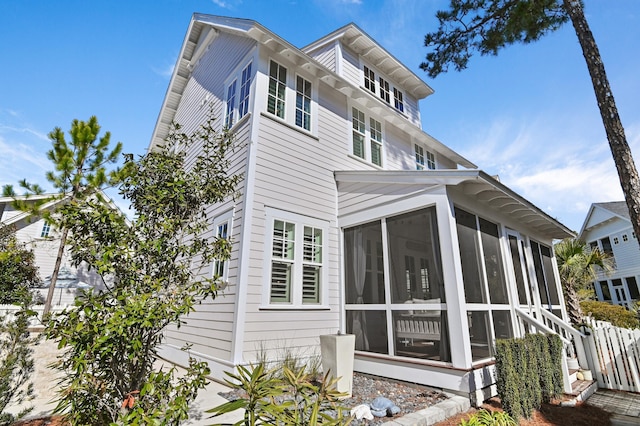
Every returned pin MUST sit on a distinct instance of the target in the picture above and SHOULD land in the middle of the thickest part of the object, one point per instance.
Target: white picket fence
(615, 355)
(9, 312)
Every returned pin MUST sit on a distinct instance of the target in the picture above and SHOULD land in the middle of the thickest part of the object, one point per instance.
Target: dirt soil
(549, 414)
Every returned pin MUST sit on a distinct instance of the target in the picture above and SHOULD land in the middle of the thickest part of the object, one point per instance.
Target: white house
(44, 240)
(351, 217)
(608, 227)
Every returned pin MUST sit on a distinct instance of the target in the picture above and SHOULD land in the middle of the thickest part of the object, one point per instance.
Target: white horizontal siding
(326, 55)
(351, 67)
(210, 328)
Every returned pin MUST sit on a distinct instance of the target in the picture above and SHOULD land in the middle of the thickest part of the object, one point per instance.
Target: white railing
(10, 310)
(615, 354)
(571, 338)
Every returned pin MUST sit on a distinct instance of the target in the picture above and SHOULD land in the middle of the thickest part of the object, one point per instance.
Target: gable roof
(55, 200)
(204, 28)
(473, 183)
(609, 211)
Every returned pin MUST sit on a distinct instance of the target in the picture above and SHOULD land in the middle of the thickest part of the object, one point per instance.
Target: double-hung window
(303, 103)
(359, 134)
(398, 101)
(222, 231)
(245, 87)
(237, 101)
(296, 259)
(369, 79)
(371, 151)
(375, 131)
(46, 230)
(424, 159)
(231, 104)
(277, 89)
(384, 90)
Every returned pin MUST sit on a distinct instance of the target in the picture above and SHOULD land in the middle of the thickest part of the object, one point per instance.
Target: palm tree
(578, 266)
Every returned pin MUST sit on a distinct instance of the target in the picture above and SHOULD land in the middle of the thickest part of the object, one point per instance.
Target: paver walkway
(625, 406)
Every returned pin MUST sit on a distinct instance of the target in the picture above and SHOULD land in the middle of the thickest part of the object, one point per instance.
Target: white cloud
(165, 72)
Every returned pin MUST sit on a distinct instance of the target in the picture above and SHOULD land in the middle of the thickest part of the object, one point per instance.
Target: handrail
(527, 317)
(567, 327)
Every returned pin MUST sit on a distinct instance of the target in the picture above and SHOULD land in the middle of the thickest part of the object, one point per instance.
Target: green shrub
(528, 372)
(488, 418)
(292, 397)
(615, 314)
(16, 360)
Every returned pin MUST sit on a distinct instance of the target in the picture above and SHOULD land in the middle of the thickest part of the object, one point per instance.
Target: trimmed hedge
(615, 314)
(528, 372)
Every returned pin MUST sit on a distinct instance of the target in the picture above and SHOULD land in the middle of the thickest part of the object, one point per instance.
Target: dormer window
(398, 101)
(369, 79)
(384, 90)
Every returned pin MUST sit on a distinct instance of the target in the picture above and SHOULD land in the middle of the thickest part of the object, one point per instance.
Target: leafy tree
(17, 269)
(16, 358)
(615, 314)
(486, 26)
(578, 266)
(152, 270)
(80, 172)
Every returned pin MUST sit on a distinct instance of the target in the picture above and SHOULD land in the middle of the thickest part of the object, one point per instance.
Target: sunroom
(436, 263)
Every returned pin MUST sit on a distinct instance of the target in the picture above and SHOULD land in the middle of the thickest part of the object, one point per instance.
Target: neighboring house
(41, 237)
(351, 218)
(608, 227)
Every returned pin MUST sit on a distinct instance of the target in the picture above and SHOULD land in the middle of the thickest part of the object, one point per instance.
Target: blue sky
(528, 115)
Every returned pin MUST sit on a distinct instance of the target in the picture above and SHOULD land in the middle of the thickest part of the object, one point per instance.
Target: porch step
(582, 389)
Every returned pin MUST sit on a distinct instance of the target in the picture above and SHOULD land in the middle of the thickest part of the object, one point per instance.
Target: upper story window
(398, 101)
(222, 230)
(46, 230)
(367, 142)
(231, 104)
(297, 261)
(303, 103)
(277, 89)
(424, 159)
(237, 100)
(245, 87)
(625, 238)
(384, 90)
(293, 90)
(369, 79)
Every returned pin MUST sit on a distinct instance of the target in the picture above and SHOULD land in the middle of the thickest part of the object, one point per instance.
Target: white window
(369, 79)
(398, 101)
(625, 238)
(231, 104)
(375, 130)
(384, 90)
(371, 151)
(46, 230)
(237, 100)
(297, 264)
(245, 88)
(424, 159)
(358, 132)
(303, 103)
(222, 230)
(277, 89)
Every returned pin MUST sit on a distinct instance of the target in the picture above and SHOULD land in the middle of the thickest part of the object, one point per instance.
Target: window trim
(300, 221)
(388, 92)
(278, 82)
(309, 97)
(45, 231)
(368, 140)
(241, 95)
(425, 159)
(225, 218)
